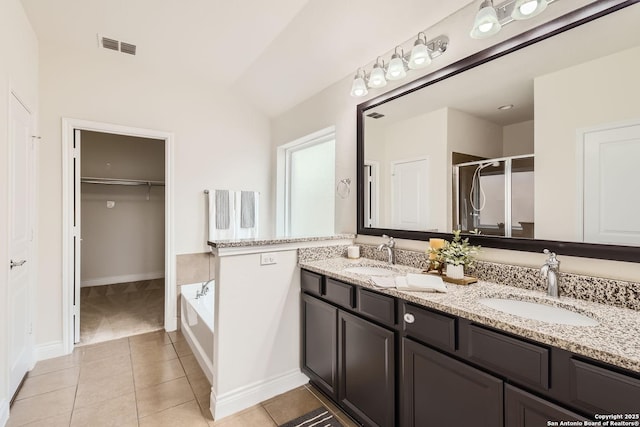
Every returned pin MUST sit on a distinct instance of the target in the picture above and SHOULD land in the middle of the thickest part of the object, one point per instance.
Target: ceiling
(277, 52)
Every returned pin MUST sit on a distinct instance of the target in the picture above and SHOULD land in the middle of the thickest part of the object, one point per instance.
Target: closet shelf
(117, 181)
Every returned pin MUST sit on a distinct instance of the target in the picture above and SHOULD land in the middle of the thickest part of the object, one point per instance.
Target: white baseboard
(244, 397)
(4, 412)
(122, 279)
(50, 350)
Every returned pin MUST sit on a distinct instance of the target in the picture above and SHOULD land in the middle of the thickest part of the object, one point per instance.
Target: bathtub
(196, 323)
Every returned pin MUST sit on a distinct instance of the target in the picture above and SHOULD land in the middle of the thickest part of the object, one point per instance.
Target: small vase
(455, 271)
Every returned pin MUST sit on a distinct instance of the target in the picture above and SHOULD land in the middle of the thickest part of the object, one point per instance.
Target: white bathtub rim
(198, 351)
(205, 312)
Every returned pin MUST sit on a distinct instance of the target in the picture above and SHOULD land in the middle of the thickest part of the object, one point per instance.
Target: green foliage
(456, 252)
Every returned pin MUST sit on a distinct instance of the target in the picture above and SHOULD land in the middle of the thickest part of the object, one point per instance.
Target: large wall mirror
(532, 143)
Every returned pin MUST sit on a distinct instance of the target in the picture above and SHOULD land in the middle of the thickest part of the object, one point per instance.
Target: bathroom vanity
(396, 358)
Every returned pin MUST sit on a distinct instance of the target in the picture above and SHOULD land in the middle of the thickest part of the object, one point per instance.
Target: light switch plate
(268, 258)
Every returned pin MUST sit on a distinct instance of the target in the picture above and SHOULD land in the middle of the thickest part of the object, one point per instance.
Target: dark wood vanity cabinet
(438, 390)
(348, 357)
(388, 362)
(366, 363)
(319, 349)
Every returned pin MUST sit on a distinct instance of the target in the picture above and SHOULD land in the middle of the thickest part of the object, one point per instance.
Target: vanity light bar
(493, 18)
(363, 81)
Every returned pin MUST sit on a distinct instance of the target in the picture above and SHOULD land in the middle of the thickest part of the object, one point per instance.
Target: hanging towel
(223, 210)
(222, 215)
(247, 209)
(247, 214)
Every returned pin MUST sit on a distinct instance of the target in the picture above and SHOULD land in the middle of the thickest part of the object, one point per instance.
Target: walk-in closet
(122, 227)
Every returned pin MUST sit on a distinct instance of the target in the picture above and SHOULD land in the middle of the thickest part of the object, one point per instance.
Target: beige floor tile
(57, 364)
(182, 348)
(156, 373)
(160, 337)
(291, 405)
(184, 415)
(114, 348)
(108, 367)
(163, 396)
(49, 382)
(117, 412)
(346, 421)
(191, 367)
(151, 353)
(255, 416)
(176, 336)
(103, 389)
(201, 388)
(56, 421)
(42, 406)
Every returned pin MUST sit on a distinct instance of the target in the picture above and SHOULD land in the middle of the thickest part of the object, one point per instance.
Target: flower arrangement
(456, 252)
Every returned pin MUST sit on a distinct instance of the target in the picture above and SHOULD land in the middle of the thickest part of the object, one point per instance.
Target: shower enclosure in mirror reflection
(495, 196)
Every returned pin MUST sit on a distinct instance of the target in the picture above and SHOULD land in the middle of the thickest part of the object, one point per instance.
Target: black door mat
(321, 417)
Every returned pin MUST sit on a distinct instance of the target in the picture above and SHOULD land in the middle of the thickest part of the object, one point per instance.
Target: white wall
(18, 73)
(124, 243)
(595, 93)
(220, 142)
(517, 139)
(334, 106)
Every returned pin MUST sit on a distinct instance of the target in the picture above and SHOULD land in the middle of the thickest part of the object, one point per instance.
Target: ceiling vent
(375, 115)
(110, 43)
(113, 44)
(128, 48)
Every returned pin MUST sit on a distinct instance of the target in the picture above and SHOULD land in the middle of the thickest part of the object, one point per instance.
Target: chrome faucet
(205, 288)
(550, 271)
(389, 246)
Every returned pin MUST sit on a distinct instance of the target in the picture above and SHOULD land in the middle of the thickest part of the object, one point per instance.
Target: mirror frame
(558, 25)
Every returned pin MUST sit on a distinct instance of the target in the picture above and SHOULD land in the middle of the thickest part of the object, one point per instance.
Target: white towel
(411, 282)
(221, 215)
(247, 219)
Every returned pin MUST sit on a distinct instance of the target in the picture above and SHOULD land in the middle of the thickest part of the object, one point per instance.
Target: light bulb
(525, 9)
(486, 23)
(376, 78)
(396, 69)
(359, 87)
(419, 56)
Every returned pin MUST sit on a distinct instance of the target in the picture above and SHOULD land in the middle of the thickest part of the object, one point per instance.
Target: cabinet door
(523, 409)
(367, 370)
(438, 390)
(319, 343)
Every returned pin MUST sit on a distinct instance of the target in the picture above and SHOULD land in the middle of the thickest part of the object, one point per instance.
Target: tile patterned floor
(115, 311)
(145, 380)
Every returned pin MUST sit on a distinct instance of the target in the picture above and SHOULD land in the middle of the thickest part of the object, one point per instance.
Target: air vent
(375, 115)
(128, 48)
(118, 46)
(110, 44)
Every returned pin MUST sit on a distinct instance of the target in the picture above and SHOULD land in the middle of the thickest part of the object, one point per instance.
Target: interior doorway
(121, 220)
(117, 189)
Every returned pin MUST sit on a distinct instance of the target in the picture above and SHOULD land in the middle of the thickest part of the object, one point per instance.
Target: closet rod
(116, 181)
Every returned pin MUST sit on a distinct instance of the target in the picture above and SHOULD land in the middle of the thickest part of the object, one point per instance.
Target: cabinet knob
(409, 318)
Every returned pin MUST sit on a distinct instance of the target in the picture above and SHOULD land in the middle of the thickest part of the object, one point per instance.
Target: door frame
(170, 291)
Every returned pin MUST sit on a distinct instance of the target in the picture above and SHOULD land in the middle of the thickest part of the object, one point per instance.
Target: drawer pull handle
(409, 318)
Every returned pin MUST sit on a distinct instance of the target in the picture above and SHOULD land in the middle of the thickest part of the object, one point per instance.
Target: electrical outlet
(268, 258)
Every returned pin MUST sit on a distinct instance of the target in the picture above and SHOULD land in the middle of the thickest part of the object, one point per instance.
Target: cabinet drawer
(600, 390)
(433, 328)
(523, 409)
(377, 306)
(311, 282)
(517, 359)
(341, 293)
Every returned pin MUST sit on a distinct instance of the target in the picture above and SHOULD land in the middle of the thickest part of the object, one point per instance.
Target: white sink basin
(538, 311)
(370, 271)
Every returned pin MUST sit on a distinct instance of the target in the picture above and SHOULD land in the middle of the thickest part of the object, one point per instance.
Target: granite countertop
(262, 241)
(613, 341)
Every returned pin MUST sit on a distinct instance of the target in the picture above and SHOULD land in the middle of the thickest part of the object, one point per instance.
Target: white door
(409, 201)
(611, 185)
(76, 234)
(20, 238)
